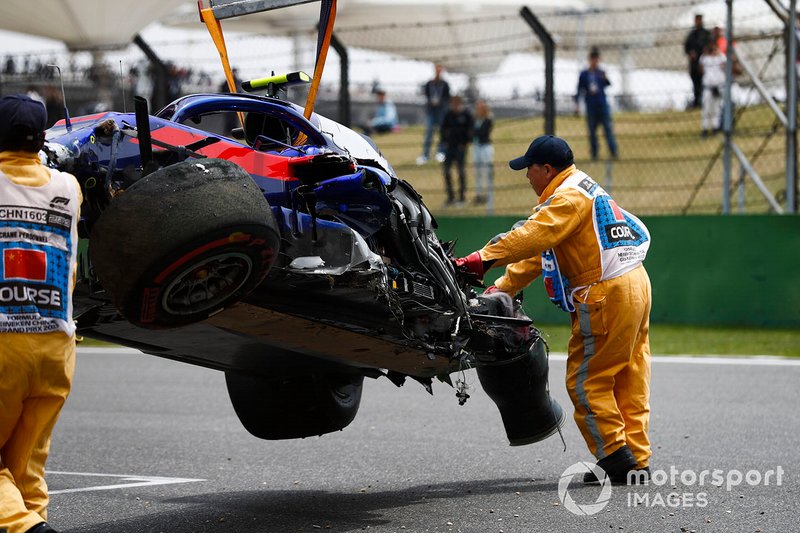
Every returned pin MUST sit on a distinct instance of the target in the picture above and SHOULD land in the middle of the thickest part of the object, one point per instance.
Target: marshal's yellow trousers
(608, 365)
(35, 377)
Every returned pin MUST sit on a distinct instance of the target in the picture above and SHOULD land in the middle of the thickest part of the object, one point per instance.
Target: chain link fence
(664, 166)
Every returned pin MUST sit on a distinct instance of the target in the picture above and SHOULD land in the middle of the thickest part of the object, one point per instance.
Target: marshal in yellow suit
(590, 252)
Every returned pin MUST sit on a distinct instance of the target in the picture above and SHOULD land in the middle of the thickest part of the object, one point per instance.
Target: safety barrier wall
(705, 270)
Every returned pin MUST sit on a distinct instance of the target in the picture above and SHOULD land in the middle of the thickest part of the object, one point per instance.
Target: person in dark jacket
(437, 98)
(483, 154)
(456, 132)
(693, 47)
(592, 84)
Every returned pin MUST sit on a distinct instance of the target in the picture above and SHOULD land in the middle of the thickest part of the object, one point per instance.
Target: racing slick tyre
(519, 389)
(183, 243)
(294, 407)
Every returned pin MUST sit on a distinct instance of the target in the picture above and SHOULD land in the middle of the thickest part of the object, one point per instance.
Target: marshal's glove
(471, 268)
(471, 264)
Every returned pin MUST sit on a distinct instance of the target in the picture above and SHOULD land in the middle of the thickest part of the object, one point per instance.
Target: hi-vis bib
(557, 287)
(623, 240)
(38, 248)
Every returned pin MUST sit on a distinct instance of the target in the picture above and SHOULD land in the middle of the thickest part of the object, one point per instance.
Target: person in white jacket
(712, 65)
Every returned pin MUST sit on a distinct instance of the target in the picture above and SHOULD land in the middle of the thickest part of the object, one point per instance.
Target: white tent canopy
(469, 36)
(473, 36)
(83, 24)
(416, 29)
(625, 30)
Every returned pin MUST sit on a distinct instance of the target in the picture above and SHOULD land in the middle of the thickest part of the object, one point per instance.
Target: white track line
(117, 350)
(135, 481)
(742, 360)
(752, 360)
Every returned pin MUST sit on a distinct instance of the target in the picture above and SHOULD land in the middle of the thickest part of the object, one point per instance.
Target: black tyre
(184, 242)
(294, 407)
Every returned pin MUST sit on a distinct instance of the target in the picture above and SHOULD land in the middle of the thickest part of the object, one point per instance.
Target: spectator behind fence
(33, 93)
(10, 67)
(712, 66)
(456, 133)
(437, 97)
(693, 47)
(718, 36)
(483, 154)
(592, 84)
(54, 103)
(385, 118)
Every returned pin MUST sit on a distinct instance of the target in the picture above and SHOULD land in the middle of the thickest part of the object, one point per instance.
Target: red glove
(490, 289)
(472, 264)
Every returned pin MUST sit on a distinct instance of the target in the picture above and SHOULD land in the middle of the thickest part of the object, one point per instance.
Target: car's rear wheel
(294, 407)
(184, 242)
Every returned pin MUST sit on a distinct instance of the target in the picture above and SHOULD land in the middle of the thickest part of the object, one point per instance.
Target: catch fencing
(664, 164)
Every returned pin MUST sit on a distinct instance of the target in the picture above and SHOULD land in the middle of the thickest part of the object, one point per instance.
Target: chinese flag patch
(24, 264)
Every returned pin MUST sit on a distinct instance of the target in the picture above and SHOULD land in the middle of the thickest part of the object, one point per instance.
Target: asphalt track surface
(146, 444)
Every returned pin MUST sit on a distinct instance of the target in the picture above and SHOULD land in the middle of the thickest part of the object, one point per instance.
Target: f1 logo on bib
(24, 264)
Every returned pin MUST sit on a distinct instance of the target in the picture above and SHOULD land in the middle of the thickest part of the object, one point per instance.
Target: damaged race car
(231, 232)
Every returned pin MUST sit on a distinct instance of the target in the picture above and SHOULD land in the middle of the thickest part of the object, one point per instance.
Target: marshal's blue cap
(545, 149)
(21, 115)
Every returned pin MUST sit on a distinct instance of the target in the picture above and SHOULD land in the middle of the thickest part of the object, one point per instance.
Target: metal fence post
(791, 108)
(549, 59)
(159, 97)
(727, 116)
(344, 80)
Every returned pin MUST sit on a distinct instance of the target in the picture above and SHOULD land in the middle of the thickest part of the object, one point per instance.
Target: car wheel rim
(207, 284)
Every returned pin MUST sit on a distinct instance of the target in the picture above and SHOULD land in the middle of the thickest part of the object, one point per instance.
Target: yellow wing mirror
(276, 83)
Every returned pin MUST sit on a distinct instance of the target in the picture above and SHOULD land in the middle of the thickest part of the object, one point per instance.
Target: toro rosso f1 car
(229, 231)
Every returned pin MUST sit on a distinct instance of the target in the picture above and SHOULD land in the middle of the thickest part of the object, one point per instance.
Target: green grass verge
(672, 340)
(664, 166)
(697, 340)
(86, 342)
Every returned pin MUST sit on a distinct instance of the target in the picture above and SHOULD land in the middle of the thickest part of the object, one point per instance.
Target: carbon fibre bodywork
(230, 232)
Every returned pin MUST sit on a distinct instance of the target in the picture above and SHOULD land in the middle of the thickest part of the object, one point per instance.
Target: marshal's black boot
(620, 467)
(42, 527)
